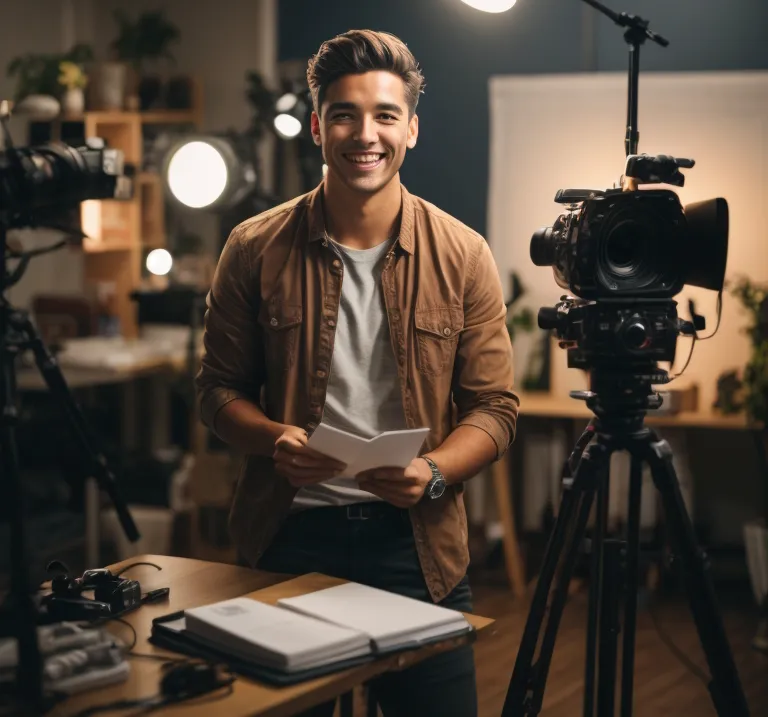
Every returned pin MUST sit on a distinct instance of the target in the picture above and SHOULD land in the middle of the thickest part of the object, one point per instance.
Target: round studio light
(197, 173)
(490, 5)
(291, 114)
(159, 262)
(287, 126)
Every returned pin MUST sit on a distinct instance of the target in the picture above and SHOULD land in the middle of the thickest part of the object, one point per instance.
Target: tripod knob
(636, 335)
(549, 318)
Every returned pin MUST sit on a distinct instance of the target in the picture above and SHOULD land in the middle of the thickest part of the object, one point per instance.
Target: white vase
(73, 101)
(112, 78)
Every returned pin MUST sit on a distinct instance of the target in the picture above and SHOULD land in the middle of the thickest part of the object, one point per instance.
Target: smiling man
(369, 309)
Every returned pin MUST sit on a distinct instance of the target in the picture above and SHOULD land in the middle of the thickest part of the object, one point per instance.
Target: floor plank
(663, 685)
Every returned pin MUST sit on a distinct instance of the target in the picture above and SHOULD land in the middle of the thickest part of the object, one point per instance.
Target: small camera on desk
(112, 596)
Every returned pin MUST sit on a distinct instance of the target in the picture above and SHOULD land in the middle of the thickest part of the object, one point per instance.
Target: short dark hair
(358, 51)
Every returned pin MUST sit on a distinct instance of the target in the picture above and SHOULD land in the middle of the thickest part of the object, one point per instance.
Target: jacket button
(321, 374)
(336, 263)
(446, 331)
(331, 323)
(273, 321)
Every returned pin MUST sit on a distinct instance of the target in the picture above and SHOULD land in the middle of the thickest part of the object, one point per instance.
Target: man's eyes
(383, 116)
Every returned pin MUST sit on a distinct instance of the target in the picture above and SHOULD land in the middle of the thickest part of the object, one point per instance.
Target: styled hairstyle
(358, 51)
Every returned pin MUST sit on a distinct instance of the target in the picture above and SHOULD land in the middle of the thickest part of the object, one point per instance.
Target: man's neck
(361, 221)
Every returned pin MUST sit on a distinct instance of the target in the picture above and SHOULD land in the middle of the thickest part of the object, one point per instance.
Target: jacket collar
(317, 218)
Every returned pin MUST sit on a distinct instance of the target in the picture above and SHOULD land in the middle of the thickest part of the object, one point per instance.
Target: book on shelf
(308, 635)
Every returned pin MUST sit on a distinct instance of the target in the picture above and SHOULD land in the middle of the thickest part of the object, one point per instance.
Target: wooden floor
(663, 685)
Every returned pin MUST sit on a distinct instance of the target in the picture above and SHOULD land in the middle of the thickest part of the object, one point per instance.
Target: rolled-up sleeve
(232, 364)
(483, 371)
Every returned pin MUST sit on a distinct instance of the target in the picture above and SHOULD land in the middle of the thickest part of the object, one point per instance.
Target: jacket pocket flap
(444, 321)
(277, 316)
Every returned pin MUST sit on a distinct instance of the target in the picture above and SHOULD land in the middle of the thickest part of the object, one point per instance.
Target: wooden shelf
(121, 231)
(118, 117)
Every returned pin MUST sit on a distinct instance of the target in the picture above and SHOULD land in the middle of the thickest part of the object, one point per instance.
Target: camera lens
(635, 251)
(543, 247)
(624, 247)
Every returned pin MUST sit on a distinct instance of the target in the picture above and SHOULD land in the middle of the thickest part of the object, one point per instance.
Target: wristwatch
(436, 487)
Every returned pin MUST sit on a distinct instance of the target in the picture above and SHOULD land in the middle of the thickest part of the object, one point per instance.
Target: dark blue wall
(459, 49)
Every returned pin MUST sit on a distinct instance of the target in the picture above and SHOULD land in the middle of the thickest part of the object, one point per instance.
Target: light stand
(18, 334)
(636, 34)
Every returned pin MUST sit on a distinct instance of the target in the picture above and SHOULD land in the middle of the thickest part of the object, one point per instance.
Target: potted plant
(141, 44)
(753, 386)
(535, 354)
(37, 76)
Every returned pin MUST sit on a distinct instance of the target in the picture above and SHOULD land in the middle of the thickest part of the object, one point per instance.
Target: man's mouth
(364, 160)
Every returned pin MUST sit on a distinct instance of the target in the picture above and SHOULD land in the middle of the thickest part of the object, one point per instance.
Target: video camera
(625, 253)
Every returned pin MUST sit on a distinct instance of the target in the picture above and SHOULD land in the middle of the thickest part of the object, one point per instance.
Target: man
(365, 307)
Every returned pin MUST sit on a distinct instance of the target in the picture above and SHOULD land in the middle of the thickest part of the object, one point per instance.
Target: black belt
(374, 510)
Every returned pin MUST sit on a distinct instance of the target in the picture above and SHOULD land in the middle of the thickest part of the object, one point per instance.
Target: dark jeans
(381, 552)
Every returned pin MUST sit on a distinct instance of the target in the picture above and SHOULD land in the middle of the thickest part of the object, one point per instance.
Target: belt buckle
(355, 512)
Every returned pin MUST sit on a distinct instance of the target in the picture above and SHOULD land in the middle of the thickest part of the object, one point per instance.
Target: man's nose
(367, 132)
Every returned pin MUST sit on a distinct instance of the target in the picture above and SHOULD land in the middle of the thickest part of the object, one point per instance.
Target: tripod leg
(725, 686)
(526, 688)
(632, 567)
(596, 580)
(22, 618)
(49, 368)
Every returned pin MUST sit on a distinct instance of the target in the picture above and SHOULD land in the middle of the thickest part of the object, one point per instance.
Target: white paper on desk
(391, 448)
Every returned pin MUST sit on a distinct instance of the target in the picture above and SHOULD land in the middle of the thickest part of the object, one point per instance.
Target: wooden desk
(550, 406)
(196, 582)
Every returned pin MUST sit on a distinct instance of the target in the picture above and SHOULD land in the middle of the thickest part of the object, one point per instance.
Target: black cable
(691, 666)
(133, 565)
(148, 704)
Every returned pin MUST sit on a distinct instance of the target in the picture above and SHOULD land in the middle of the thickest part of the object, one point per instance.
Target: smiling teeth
(364, 158)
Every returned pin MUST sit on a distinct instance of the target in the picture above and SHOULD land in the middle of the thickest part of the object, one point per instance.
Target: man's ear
(413, 131)
(314, 123)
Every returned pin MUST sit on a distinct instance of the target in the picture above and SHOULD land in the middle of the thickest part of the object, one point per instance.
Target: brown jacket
(269, 333)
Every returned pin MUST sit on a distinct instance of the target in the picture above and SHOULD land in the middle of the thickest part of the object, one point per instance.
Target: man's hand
(402, 487)
(299, 463)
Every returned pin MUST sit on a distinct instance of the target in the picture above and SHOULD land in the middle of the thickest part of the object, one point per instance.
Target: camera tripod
(18, 334)
(619, 403)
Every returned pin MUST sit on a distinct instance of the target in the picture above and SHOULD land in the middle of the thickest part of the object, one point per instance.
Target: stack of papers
(394, 449)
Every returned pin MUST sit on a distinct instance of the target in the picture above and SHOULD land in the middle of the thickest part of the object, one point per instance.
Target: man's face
(364, 129)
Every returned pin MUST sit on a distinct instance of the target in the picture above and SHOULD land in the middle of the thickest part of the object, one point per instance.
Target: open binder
(307, 636)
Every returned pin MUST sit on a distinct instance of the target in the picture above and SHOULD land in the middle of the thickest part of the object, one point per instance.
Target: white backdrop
(567, 131)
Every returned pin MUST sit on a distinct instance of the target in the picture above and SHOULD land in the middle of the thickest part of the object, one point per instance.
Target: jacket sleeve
(483, 370)
(232, 365)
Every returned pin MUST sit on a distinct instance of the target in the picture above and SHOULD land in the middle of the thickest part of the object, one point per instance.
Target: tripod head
(619, 343)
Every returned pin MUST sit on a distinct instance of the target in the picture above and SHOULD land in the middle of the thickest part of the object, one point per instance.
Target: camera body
(44, 180)
(616, 244)
(112, 595)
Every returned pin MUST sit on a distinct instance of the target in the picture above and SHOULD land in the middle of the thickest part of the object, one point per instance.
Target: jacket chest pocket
(280, 325)
(437, 335)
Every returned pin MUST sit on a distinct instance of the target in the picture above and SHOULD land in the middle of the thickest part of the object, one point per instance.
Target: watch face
(436, 488)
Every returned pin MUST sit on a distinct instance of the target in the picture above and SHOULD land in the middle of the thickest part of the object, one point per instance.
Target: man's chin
(367, 185)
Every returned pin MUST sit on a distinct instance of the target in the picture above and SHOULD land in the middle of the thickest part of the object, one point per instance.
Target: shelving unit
(120, 231)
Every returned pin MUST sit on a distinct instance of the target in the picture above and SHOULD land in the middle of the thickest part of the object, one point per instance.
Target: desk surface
(547, 405)
(30, 379)
(197, 582)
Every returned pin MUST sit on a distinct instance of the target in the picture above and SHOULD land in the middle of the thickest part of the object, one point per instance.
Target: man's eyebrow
(382, 106)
